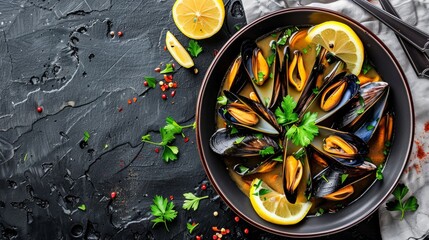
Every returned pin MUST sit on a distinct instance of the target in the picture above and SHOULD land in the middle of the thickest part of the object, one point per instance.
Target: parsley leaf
(270, 59)
(192, 201)
(303, 134)
(191, 227)
(398, 204)
(266, 151)
(284, 113)
(151, 81)
(261, 76)
(344, 177)
(163, 210)
(168, 68)
(239, 140)
(170, 153)
(262, 192)
(222, 100)
(366, 66)
(86, 136)
(194, 48)
(172, 126)
(316, 90)
(379, 173)
(278, 158)
(82, 207)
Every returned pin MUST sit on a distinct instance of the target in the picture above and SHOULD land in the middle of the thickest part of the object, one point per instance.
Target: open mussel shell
(262, 76)
(369, 94)
(334, 96)
(381, 141)
(234, 80)
(335, 184)
(240, 145)
(339, 144)
(371, 118)
(266, 121)
(296, 174)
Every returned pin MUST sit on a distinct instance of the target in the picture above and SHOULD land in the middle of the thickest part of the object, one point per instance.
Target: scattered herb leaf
(266, 151)
(146, 137)
(369, 127)
(151, 81)
(163, 211)
(324, 178)
(86, 136)
(284, 113)
(398, 204)
(234, 130)
(366, 66)
(192, 201)
(258, 135)
(316, 90)
(270, 59)
(262, 192)
(82, 207)
(278, 158)
(191, 227)
(222, 100)
(360, 111)
(320, 211)
(168, 68)
(194, 48)
(379, 173)
(170, 153)
(239, 140)
(261, 76)
(344, 177)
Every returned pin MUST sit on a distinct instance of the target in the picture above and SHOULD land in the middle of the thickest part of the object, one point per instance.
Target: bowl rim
(203, 90)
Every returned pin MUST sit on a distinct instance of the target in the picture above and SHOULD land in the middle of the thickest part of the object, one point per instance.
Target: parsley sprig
(399, 204)
(191, 227)
(168, 68)
(168, 133)
(300, 132)
(192, 201)
(194, 48)
(163, 211)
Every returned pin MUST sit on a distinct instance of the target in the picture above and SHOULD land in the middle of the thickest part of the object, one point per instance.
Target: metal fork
(414, 42)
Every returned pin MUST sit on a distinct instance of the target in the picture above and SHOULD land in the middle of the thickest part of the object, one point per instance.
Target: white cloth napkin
(416, 176)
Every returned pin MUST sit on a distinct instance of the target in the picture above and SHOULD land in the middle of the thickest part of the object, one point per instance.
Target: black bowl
(385, 64)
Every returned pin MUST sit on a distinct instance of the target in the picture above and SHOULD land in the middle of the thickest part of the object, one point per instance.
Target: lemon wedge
(342, 41)
(274, 207)
(198, 19)
(178, 52)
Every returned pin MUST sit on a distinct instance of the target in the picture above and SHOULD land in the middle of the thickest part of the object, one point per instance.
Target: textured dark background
(58, 54)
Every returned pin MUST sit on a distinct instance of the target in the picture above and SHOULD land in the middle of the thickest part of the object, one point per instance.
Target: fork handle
(409, 33)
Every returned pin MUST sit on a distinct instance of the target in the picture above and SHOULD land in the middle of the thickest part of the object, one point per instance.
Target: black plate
(385, 64)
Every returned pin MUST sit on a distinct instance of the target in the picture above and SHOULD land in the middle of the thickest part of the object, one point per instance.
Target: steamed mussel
(354, 122)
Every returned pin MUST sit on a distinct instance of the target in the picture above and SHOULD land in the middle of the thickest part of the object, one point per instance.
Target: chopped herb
(258, 135)
(360, 111)
(266, 151)
(234, 130)
(304, 133)
(239, 140)
(273, 35)
(151, 81)
(387, 144)
(163, 211)
(398, 204)
(146, 137)
(369, 127)
(86, 136)
(224, 111)
(316, 90)
(357, 82)
(242, 169)
(237, 27)
(324, 178)
(344, 177)
(267, 101)
(299, 155)
(262, 192)
(320, 211)
(272, 75)
(82, 207)
(257, 185)
(366, 66)
(222, 100)
(194, 48)
(191, 227)
(361, 101)
(379, 173)
(287, 33)
(305, 50)
(278, 158)
(261, 76)
(270, 59)
(284, 113)
(192, 201)
(386, 152)
(168, 68)
(170, 153)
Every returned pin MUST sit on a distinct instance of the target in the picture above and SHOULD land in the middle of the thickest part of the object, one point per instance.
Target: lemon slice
(178, 52)
(274, 207)
(198, 19)
(341, 40)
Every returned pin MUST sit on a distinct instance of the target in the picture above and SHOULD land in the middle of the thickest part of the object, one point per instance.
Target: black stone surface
(58, 54)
